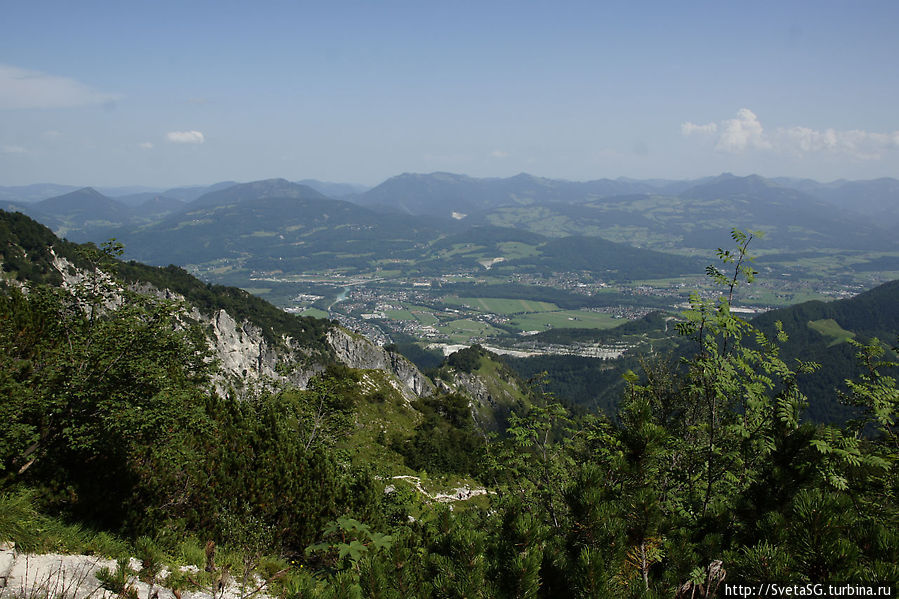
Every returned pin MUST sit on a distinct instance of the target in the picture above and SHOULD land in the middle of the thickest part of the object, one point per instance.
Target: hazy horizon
(141, 188)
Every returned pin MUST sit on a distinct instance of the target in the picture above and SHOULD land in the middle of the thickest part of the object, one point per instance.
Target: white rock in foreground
(56, 576)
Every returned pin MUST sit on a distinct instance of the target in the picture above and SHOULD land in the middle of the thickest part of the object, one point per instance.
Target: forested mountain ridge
(815, 331)
(821, 332)
(255, 190)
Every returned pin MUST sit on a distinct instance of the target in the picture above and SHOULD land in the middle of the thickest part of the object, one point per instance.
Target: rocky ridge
(491, 396)
(356, 351)
(248, 363)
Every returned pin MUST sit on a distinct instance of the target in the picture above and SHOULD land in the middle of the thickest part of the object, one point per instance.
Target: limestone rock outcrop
(358, 352)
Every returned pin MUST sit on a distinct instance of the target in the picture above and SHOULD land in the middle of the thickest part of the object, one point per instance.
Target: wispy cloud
(185, 137)
(745, 132)
(145, 145)
(21, 88)
(689, 128)
(864, 145)
(14, 150)
(499, 154)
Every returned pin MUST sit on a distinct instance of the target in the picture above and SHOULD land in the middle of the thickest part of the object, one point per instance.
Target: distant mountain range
(658, 214)
(280, 225)
(442, 194)
(88, 215)
(136, 194)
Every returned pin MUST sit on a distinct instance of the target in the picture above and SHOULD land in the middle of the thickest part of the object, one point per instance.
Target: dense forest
(112, 428)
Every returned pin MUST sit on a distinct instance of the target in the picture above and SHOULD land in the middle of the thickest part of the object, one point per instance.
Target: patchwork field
(496, 305)
(580, 319)
(464, 330)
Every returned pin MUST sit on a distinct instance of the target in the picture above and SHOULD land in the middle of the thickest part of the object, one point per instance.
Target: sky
(193, 92)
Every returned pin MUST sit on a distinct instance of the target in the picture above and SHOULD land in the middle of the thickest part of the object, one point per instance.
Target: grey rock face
(474, 387)
(358, 352)
(247, 361)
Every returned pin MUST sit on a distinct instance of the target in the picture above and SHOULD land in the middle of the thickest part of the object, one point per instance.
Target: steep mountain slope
(819, 332)
(310, 376)
(254, 342)
(495, 391)
(258, 349)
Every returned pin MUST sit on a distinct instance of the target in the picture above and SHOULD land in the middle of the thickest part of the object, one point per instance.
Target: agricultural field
(400, 314)
(495, 305)
(465, 330)
(580, 319)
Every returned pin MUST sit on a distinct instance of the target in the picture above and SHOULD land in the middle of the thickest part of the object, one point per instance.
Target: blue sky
(170, 93)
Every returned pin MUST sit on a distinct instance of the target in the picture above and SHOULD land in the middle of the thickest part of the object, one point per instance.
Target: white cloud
(146, 145)
(499, 154)
(185, 137)
(14, 150)
(745, 132)
(689, 129)
(859, 144)
(21, 88)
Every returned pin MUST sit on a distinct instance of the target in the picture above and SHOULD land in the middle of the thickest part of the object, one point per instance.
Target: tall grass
(34, 532)
(18, 518)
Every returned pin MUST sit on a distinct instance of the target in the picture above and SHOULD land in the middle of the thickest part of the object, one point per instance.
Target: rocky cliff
(493, 390)
(249, 361)
(356, 351)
